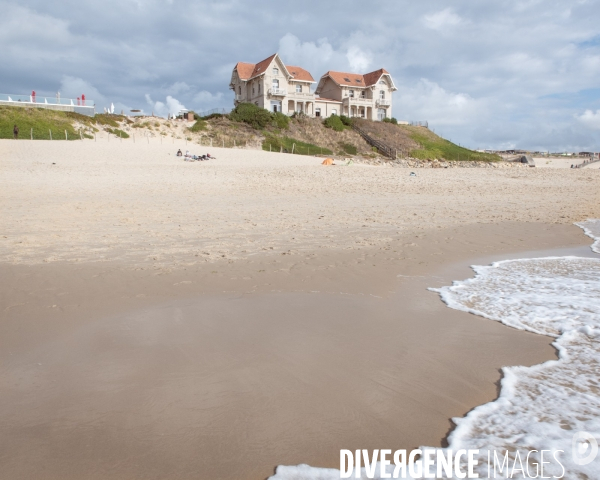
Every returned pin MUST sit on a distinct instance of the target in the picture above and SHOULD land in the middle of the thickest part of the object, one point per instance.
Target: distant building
(284, 88)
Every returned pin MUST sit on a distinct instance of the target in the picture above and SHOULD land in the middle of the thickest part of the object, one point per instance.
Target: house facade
(284, 88)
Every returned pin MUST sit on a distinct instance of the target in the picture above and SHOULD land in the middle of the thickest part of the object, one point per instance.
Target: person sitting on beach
(16, 132)
(179, 154)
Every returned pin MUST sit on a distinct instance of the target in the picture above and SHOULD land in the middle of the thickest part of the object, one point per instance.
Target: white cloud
(442, 19)
(428, 101)
(313, 56)
(178, 87)
(590, 119)
(359, 60)
(206, 99)
(171, 106)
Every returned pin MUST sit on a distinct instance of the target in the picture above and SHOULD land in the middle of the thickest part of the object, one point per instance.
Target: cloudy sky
(485, 74)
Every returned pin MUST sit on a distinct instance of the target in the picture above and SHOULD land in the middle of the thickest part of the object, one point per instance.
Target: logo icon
(584, 448)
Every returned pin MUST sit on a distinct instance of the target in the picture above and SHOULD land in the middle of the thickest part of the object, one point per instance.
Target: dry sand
(163, 319)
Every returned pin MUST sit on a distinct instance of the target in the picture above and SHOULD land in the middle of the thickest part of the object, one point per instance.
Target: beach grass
(289, 145)
(39, 123)
(433, 146)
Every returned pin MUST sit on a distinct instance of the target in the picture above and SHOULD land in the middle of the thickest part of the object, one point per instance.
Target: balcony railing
(277, 91)
(357, 100)
(383, 102)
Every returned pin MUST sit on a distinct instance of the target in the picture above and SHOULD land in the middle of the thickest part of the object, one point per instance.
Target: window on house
(275, 71)
(317, 112)
(380, 114)
(381, 82)
(382, 94)
(240, 90)
(351, 93)
(252, 90)
(334, 112)
(298, 88)
(362, 94)
(259, 88)
(275, 84)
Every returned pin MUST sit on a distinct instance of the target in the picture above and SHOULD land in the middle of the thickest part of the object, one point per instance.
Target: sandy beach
(166, 319)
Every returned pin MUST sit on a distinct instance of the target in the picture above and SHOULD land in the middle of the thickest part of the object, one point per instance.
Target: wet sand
(117, 373)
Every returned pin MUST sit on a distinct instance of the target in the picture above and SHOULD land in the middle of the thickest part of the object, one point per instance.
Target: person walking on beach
(16, 132)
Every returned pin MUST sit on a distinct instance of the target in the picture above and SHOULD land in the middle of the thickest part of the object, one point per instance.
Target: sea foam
(539, 407)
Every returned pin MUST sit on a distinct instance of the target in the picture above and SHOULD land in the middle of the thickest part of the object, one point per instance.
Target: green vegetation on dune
(40, 120)
(287, 144)
(117, 133)
(433, 146)
(258, 117)
(199, 126)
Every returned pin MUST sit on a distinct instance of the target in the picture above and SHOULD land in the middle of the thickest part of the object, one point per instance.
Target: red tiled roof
(342, 78)
(356, 79)
(300, 73)
(261, 67)
(373, 77)
(245, 70)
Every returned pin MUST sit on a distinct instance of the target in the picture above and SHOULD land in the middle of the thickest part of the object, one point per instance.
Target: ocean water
(540, 407)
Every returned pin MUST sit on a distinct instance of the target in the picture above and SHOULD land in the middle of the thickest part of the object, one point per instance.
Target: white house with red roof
(284, 88)
(273, 85)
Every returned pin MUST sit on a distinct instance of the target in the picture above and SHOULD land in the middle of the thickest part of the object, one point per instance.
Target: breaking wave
(539, 407)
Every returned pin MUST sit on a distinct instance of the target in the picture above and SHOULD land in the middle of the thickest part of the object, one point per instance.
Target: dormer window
(381, 82)
(275, 71)
(298, 88)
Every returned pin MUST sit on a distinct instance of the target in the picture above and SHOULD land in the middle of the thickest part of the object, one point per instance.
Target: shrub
(394, 121)
(281, 120)
(253, 115)
(349, 148)
(346, 120)
(334, 122)
(388, 120)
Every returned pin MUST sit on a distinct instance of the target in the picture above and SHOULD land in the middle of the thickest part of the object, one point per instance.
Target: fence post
(270, 147)
(293, 146)
(32, 133)
(66, 135)
(308, 150)
(50, 134)
(80, 135)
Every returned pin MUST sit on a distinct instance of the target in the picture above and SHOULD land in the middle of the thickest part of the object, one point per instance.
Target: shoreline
(349, 287)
